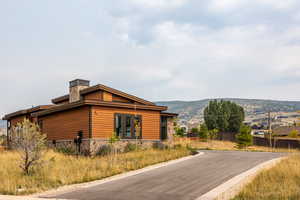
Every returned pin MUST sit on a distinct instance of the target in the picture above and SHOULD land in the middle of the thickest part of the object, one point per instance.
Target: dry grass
(282, 182)
(231, 146)
(59, 169)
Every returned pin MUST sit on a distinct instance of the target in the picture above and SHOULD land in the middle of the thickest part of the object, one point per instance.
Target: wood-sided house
(96, 113)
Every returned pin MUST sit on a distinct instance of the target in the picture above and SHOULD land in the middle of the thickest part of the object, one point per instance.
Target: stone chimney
(75, 87)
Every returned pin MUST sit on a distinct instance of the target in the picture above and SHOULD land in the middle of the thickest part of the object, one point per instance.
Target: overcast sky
(155, 49)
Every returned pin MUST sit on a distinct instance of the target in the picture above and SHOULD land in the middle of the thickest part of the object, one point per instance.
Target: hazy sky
(155, 49)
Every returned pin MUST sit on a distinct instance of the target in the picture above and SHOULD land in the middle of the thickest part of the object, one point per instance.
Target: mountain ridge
(194, 109)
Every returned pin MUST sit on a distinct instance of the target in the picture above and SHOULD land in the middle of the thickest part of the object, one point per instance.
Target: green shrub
(203, 132)
(65, 150)
(194, 131)
(131, 147)
(244, 138)
(180, 132)
(177, 146)
(294, 133)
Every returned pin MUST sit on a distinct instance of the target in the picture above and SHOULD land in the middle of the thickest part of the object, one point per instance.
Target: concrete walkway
(186, 180)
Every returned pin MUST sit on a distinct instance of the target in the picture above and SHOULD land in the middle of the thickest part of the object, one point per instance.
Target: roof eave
(97, 103)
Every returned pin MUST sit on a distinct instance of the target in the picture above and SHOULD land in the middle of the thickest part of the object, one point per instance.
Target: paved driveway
(186, 180)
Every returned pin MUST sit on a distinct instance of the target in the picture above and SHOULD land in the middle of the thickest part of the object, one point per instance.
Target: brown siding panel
(14, 121)
(103, 122)
(107, 96)
(116, 98)
(65, 125)
(97, 95)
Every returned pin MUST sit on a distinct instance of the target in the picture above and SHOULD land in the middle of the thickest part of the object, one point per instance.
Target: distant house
(285, 130)
(95, 113)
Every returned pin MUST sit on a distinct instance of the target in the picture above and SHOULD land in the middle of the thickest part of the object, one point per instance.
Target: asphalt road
(186, 180)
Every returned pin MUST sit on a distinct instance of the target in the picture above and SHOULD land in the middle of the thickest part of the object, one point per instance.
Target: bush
(131, 147)
(180, 132)
(65, 150)
(244, 138)
(160, 146)
(294, 133)
(203, 132)
(104, 150)
(29, 142)
(3, 140)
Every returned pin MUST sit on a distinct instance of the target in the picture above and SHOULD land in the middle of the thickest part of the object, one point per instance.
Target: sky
(157, 50)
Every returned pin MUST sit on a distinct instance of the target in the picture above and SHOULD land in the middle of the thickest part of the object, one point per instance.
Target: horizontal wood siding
(107, 96)
(65, 125)
(116, 98)
(97, 95)
(103, 122)
(14, 121)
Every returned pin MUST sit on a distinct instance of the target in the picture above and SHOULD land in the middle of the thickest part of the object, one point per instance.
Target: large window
(128, 126)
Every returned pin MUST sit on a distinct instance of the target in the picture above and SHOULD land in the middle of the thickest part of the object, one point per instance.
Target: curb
(69, 188)
(9, 197)
(232, 187)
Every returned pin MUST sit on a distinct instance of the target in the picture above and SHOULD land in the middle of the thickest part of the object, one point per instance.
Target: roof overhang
(60, 99)
(98, 103)
(106, 89)
(168, 114)
(27, 111)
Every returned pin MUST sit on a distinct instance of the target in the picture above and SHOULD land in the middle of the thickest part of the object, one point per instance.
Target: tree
(294, 133)
(29, 142)
(225, 116)
(211, 114)
(244, 138)
(195, 131)
(179, 131)
(203, 132)
(212, 134)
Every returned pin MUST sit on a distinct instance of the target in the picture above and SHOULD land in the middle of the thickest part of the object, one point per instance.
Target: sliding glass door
(128, 126)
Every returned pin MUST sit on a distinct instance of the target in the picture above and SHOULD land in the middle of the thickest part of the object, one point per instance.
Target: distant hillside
(194, 109)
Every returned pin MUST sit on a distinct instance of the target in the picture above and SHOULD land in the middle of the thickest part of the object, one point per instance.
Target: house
(95, 113)
(283, 131)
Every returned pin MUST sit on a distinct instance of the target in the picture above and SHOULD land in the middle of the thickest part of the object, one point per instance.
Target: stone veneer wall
(92, 146)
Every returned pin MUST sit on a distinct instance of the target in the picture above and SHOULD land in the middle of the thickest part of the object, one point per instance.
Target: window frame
(122, 132)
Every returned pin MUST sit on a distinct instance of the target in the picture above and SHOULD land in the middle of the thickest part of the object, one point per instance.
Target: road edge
(232, 187)
(70, 188)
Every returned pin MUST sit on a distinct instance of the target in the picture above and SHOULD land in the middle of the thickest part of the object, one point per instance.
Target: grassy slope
(282, 182)
(59, 169)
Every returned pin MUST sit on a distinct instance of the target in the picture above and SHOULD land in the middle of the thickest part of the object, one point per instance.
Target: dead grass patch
(59, 169)
(232, 146)
(282, 182)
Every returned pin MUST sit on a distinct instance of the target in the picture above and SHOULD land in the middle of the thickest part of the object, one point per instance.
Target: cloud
(159, 50)
(161, 4)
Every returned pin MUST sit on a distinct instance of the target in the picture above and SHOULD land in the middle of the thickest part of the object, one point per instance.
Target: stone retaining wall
(92, 146)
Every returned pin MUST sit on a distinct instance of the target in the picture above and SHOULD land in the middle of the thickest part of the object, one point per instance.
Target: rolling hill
(194, 109)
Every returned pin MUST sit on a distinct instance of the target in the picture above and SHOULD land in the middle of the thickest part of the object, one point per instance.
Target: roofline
(27, 111)
(60, 99)
(107, 89)
(116, 92)
(97, 103)
(168, 114)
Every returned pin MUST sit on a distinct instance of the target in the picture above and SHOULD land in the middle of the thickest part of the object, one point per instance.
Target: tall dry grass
(282, 182)
(58, 169)
(232, 146)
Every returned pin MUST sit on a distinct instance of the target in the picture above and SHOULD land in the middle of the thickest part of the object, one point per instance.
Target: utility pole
(270, 127)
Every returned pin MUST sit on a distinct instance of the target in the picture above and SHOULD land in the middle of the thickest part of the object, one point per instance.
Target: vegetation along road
(185, 180)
